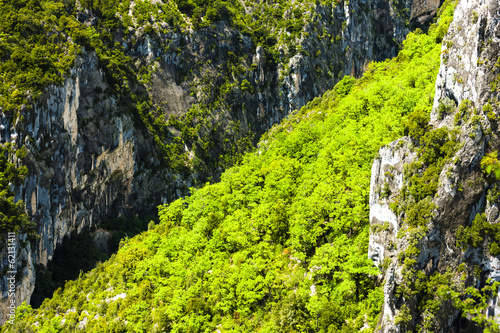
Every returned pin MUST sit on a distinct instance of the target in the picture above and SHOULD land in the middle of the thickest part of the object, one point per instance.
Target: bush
(445, 106)
(494, 249)
(488, 111)
(417, 124)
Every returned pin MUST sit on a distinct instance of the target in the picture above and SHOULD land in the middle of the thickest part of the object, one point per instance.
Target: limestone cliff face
(340, 40)
(466, 83)
(90, 158)
(87, 162)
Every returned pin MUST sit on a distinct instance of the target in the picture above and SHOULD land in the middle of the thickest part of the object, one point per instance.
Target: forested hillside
(120, 106)
(280, 243)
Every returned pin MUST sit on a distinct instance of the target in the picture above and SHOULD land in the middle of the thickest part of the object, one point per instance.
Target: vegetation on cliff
(40, 40)
(13, 217)
(280, 243)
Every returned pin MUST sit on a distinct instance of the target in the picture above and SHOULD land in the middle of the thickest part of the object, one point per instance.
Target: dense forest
(280, 243)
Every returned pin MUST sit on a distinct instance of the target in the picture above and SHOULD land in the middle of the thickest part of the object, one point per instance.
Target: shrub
(494, 249)
(445, 106)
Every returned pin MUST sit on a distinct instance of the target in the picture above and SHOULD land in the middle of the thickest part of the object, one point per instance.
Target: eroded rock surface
(466, 83)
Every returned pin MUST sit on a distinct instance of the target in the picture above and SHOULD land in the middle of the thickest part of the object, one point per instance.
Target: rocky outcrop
(466, 103)
(90, 157)
(422, 13)
(387, 172)
(87, 161)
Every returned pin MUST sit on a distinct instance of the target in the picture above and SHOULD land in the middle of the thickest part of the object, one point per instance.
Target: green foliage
(419, 214)
(474, 17)
(440, 292)
(417, 124)
(245, 85)
(12, 214)
(471, 235)
(344, 86)
(403, 317)
(445, 107)
(386, 191)
(493, 194)
(488, 110)
(436, 148)
(464, 111)
(490, 163)
(479, 230)
(380, 227)
(494, 249)
(279, 244)
(474, 304)
(34, 51)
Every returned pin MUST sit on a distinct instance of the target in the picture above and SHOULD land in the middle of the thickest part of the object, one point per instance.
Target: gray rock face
(422, 12)
(87, 161)
(340, 40)
(88, 157)
(387, 173)
(467, 73)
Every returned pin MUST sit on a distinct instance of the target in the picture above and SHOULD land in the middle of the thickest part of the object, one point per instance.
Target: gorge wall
(91, 157)
(445, 235)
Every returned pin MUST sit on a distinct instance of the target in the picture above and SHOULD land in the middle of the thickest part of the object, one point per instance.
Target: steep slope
(279, 244)
(436, 229)
(125, 105)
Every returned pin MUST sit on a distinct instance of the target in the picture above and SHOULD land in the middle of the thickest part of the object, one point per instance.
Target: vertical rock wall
(466, 82)
(87, 162)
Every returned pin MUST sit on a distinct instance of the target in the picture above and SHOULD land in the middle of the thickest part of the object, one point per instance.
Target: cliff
(95, 152)
(433, 206)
